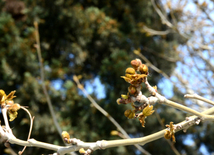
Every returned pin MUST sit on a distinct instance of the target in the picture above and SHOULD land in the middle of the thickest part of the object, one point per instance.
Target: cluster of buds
(136, 75)
(6, 101)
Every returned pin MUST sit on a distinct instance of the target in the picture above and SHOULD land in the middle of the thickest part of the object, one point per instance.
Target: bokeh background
(96, 39)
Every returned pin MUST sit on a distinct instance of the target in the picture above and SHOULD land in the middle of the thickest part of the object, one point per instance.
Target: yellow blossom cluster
(136, 75)
(7, 101)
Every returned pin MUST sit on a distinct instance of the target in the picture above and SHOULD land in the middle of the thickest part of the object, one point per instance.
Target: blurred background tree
(94, 39)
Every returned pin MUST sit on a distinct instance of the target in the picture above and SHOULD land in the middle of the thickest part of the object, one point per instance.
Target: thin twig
(196, 96)
(80, 86)
(163, 18)
(167, 102)
(155, 32)
(50, 106)
(31, 126)
(149, 64)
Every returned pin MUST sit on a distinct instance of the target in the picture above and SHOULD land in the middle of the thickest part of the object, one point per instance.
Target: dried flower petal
(11, 95)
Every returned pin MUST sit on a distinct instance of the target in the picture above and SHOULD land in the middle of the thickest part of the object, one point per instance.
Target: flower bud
(129, 114)
(128, 76)
(132, 89)
(114, 132)
(130, 70)
(65, 135)
(121, 101)
(143, 69)
(82, 151)
(135, 63)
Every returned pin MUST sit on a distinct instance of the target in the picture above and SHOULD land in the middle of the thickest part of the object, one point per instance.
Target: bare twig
(163, 100)
(196, 96)
(155, 32)
(163, 18)
(31, 126)
(50, 106)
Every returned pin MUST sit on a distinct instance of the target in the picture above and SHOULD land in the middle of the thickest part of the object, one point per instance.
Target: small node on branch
(170, 132)
(85, 152)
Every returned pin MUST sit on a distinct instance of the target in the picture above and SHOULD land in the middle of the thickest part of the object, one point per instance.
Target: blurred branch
(50, 106)
(117, 125)
(149, 64)
(163, 18)
(195, 96)
(154, 32)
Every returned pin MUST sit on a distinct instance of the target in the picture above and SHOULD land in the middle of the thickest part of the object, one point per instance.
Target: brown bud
(135, 63)
(143, 69)
(121, 101)
(132, 89)
(130, 70)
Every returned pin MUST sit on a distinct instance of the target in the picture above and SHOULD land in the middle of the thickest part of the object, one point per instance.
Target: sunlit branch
(80, 86)
(190, 121)
(195, 96)
(163, 100)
